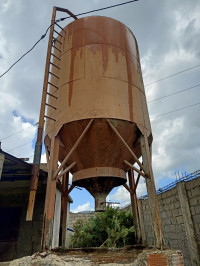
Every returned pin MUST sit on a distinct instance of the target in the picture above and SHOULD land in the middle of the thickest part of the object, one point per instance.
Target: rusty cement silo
(97, 121)
(99, 78)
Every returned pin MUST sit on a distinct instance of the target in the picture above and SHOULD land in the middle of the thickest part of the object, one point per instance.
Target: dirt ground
(97, 256)
(127, 256)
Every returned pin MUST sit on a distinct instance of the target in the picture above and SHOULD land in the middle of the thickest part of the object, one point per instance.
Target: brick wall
(180, 215)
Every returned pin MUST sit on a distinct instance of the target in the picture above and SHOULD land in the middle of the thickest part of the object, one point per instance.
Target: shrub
(112, 228)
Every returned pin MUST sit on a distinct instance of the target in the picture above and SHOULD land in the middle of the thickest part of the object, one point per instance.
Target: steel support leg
(64, 205)
(151, 190)
(50, 196)
(134, 206)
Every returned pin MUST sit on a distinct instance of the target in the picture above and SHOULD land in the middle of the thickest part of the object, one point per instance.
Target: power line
(42, 37)
(19, 146)
(99, 9)
(58, 20)
(151, 121)
(172, 75)
(173, 93)
(176, 110)
(18, 132)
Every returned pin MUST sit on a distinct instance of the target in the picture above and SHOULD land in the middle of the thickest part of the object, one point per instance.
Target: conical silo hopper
(98, 81)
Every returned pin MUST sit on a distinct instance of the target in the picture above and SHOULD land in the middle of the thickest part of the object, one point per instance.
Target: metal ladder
(52, 47)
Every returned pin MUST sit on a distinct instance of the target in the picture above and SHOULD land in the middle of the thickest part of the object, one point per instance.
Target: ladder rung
(52, 95)
(51, 106)
(55, 40)
(53, 75)
(56, 48)
(54, 65)
(53, 85)
(58, 33)
(50, 118)
(55, 56)
(59, 26)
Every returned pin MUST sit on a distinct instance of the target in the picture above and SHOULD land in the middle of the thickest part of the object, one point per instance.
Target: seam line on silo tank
(85, 45)
(142, 90)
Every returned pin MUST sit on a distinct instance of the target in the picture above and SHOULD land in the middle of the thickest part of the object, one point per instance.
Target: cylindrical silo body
(99, 76)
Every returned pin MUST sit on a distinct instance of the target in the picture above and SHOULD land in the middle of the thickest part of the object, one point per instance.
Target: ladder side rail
(38, 145)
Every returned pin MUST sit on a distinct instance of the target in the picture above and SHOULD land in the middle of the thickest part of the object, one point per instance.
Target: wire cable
(18, 132)
(99, 9)
(176, 110)
(172, 75)
(150, 117)
(173, 93)
(58, 20)
(42, 37)
(20, 146)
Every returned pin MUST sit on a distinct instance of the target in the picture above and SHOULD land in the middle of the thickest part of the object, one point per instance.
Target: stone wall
(74, 217)
(180, 215)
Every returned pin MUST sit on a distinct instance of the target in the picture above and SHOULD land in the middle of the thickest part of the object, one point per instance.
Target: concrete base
(100, 201)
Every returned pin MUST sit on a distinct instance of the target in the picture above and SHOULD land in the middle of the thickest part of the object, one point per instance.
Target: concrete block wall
(29, 240)
(193, 194)
(180, 215)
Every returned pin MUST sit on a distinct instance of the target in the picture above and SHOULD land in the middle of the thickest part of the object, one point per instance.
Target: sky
(168, 38)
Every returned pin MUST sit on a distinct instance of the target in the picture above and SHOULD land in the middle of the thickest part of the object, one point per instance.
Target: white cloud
(121, 195)
(168, 42)
(84, 207)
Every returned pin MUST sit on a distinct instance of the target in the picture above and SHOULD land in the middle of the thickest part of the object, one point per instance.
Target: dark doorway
(9, 231)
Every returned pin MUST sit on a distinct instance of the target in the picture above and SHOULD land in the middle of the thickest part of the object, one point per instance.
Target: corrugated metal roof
(16, 169)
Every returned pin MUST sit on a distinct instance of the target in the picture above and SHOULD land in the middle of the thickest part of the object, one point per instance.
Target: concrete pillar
(141, 218)
(100, 201)
(189, 227)
(56, 220)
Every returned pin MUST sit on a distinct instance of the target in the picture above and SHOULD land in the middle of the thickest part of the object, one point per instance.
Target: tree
(112, 228)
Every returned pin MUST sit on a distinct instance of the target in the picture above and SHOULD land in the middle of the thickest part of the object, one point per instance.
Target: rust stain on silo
(71, 75)
(130, 93)
(99, 79)
(105, 57)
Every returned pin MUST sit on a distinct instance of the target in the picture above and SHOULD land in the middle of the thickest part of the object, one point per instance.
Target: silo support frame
(134, 205)
(73, 148)
(64, 206)
(147, 169)
(126, 145)
(50, 195)
(135, 169)
(151, 190)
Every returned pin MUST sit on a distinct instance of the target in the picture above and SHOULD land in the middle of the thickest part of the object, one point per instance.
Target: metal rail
(186, 178)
